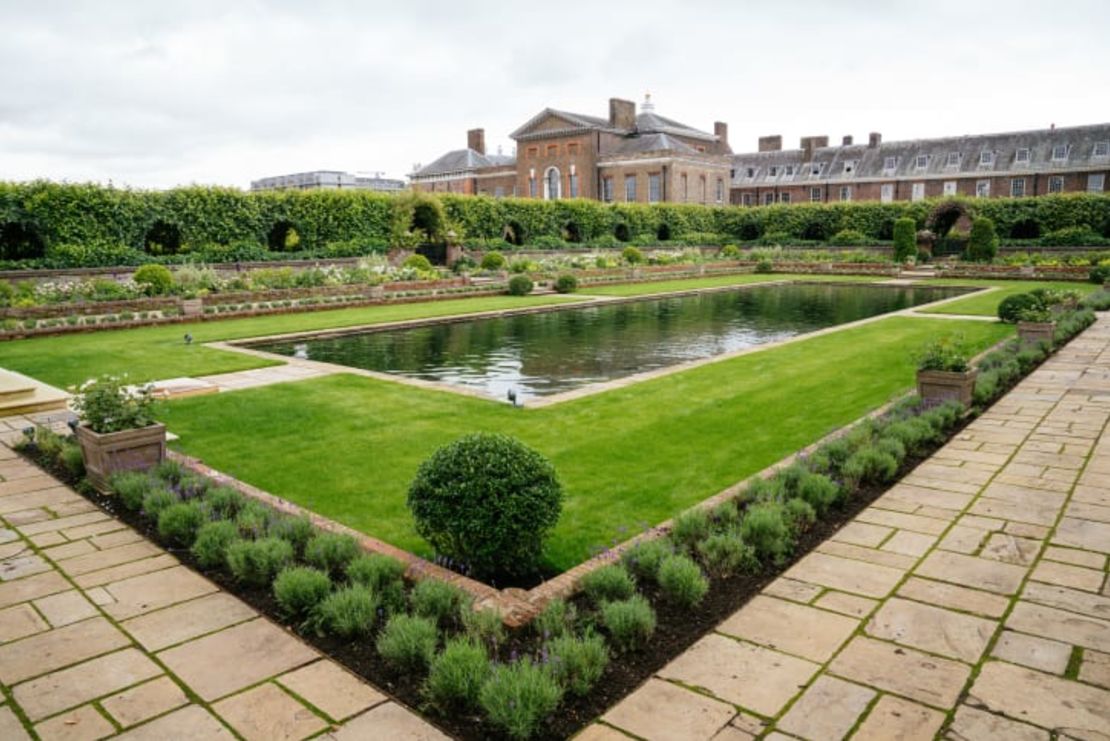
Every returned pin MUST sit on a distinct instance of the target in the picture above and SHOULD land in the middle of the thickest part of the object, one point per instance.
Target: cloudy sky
(155, 94)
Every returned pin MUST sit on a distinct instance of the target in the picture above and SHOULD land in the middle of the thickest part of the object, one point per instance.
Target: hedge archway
(946, 216)
(816, 231)
(663, 233)
(572, 232)
(620, 231)
(1025, 229)
(20, 241)
(162, 238)
(513, 233)
(283, 237)
(749, 230)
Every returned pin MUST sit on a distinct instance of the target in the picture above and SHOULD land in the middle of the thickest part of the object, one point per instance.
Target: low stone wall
(1014, 272)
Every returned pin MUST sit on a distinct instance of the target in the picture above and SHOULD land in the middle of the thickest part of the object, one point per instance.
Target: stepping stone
(753, 677)
(932, 629)
(796, 629)
(895, 718)
(1042, 699)
(660, 710)
(221, 663)
(902, 671)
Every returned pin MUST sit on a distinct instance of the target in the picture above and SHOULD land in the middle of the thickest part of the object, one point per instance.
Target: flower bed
(1016, 272)
(639, 604)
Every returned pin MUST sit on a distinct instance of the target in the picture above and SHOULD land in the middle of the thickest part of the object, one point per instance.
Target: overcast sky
(160, 93)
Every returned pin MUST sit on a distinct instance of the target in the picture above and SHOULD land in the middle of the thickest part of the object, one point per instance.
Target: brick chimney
(622, 114)
(874, 140)
(476, 140)
(720, 128)
(846, 141)
(810, 143)
(770, 143)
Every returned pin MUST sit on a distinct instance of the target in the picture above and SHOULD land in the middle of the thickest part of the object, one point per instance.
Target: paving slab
(1095, 668)
(269, 712)
(19, 621)
(934, 629)
(846, 575)
(1049, 622)
(1044, 700)
(82, 724)
(661, 711)
(902, 671)
(144, 701)
(76, 685)
(45, 652)
(972, 724)
(389, 721)
(829, 708)
(786, 626)
(896, 718)
(190, 723)
(145, 593)
(330, 688)
(163, 628)
(970, 571)
(1032, 651)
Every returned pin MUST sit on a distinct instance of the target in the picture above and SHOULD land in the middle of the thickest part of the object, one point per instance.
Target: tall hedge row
(66, 217)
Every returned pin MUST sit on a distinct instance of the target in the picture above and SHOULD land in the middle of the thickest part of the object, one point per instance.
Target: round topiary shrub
(632, 255)
(493, 261)
(1011, 308)
(520, 285)
(487, 501)
(155, 279)
(566, 283)
(418, 262)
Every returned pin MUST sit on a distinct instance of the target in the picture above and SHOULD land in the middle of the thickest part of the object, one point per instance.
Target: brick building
(1023, 163)
(628, 157)
(328, 180)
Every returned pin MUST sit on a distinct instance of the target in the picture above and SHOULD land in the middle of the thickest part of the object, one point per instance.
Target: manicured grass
(986, 304)
(156, 353)
(347, 446)
(714, 281)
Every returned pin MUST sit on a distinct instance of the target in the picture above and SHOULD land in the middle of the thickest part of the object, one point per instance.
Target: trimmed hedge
(47, 224)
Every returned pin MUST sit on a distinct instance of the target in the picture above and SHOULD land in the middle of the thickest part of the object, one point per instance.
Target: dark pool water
(548, 353)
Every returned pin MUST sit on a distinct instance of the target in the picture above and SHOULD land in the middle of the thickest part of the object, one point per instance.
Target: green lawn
(987, 304)
(347, 446)
(156, 353)
(713, 281)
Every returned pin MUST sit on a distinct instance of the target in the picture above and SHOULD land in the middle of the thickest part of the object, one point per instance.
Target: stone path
(103, 633)
(971, 601)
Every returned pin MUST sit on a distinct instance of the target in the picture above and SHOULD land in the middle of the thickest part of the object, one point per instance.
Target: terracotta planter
(126, 450)
(192, 306)
(1033, 332)
(936, 387)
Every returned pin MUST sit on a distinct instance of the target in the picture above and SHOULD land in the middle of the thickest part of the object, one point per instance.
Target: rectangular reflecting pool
(555, 351)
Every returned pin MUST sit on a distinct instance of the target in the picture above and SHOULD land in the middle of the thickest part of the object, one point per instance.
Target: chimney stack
(810, 143)
(874, 140)
(720, 128)
(622, 114)
(476, 140)
(846, 141)
(770, 143)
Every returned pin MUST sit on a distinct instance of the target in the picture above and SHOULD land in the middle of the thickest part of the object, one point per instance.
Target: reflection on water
(547, 353)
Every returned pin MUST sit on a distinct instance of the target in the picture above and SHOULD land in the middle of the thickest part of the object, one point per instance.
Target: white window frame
(746, 199)
(1101, 150)
(849, 167)
(815, 195)
(788, 171)
(921, 162)
(951, 187)
(1096, 182)
(886, 193)
(751, 172)
(1017, 187)
(890, 163)
(1056, 184)
(630, 179)
(917, 192)
(720, 190)
(983, 189)
(773, 171)
(952, 160)
(846, 193)
(1020, 159)
(548, 180)
(572, 185)
(986, 158)
(816, 168)
(1057, 155)
(655, 183)
(784, 198)
(768, 198)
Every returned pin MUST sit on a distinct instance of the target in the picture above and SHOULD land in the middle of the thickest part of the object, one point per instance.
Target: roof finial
(648, 105)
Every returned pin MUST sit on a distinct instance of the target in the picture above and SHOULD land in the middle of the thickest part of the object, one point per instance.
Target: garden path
(103, 633)
(971, 601)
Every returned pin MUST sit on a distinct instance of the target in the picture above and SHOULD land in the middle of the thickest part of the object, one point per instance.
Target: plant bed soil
(678, 627)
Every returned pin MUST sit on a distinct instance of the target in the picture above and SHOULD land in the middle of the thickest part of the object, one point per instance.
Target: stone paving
(970, 601)
(104, 634)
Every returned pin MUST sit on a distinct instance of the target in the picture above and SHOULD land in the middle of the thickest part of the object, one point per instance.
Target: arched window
(552, 182)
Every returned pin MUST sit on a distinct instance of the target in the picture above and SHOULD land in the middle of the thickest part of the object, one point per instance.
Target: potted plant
(1036, 324)
(192, 304)
(117, 431)
(944, 373)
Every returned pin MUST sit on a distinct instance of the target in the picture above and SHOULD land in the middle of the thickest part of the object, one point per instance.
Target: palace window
(815, 195)
(499, 191)
(950, 187)
(747, 199)
(986, 158)
(784, 198)
(1101, 149)
(533, 152)
(607, 190)
(720, 190)
(849, 166)
(917, 192)
(572, 148)
(1060, 153)
(845, 192)
(816, 168)
(701, 189)
(1017, 187)
(552, 182)
(532, 187)
(921, 162)
(1096, 182)
(552, 150)
(1056, 184)
(573, 181)
(750, 172)
(630, 188)
(890, 163)
(788, 171)
(685, 188)
(1022, 155)
(654, 188)
(983, 189)
(768, 199)
(886, 192)
(953, 159)
(773, 172)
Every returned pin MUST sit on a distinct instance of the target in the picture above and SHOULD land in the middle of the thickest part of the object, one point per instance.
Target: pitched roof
(463, 160)
(651, 143)
(652, 122)
(871, 163)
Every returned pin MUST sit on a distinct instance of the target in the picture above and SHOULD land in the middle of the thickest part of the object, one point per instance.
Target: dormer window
(750, 172)
(773, 171)
(1021, 156)
(953, 159)
(986, 158)
(849, 166)
(788, 171)
(921, 162)
(1060, 153)
(816, 168)
(890, 163)
(1101, 149)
